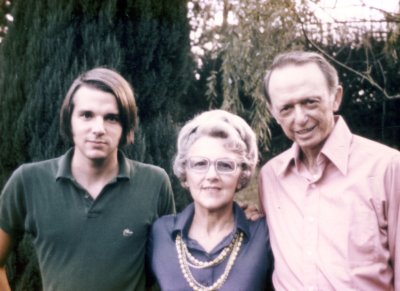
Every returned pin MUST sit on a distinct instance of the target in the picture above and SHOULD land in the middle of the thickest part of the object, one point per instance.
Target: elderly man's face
(302, 104)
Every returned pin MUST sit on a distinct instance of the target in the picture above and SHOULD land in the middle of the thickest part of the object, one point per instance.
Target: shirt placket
(310, 247)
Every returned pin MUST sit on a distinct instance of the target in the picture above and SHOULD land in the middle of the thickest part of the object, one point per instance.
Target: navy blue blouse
(250, 271)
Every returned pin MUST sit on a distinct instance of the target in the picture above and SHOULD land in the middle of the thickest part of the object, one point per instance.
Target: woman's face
(212, 174)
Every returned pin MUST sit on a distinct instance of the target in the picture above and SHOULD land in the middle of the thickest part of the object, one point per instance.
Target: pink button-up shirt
(337, 229)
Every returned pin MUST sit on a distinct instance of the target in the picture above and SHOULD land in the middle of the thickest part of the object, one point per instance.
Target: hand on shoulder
(251, 211)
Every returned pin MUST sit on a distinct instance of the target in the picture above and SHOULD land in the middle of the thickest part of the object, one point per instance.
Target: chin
(217, 207)
(96, 155)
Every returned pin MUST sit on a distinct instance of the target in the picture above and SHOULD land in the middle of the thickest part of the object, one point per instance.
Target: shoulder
(146, 171)
(258, 239)
(37, 169)
(372, 147)
(281, 157)
(165, 221)
(163, 225)
(371, 150)
(147, 167)
(279, 162)
(258, 226)
(174, 222)
(254, 227)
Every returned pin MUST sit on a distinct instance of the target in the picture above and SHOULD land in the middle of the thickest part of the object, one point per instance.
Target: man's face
(95, 123)
(302, 104)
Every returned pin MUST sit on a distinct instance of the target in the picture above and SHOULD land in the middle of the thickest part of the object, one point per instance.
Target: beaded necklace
(187, 260)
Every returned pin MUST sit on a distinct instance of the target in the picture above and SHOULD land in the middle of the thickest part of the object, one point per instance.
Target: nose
(98, 126)
(211, 172)
(300, 114)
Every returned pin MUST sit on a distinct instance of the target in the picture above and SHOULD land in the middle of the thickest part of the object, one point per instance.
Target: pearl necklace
(187, 260)
(195, 263)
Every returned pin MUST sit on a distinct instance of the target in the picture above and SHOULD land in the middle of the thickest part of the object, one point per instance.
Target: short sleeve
(166, 202)
(13, 204)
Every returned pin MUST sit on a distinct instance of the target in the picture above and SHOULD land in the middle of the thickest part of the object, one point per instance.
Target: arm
(392, 183)
(12, 217)
(5, 248)
(166, 202)
(151, 283)
(251, 210)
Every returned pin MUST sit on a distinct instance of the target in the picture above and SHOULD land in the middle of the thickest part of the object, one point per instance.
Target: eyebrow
(300, 100)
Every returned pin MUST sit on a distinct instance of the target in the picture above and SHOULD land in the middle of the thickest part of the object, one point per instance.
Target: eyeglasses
(202, 164)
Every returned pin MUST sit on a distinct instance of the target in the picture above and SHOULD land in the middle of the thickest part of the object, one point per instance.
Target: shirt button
(313, 186)
(308, 253)
(311, 219)
(311, 288)
(87, 196)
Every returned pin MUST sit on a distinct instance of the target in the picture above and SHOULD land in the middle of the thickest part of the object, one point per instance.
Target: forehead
(211, 147)
(297, 82)
(92, 98)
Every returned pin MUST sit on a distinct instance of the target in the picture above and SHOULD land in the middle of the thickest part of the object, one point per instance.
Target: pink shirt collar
(336, 149)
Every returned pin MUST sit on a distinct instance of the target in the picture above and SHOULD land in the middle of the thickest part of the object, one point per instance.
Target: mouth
(97, 142)
(305, 130)
(211, 188)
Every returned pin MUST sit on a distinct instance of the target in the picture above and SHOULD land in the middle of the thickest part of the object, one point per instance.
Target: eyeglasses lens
(221, 165)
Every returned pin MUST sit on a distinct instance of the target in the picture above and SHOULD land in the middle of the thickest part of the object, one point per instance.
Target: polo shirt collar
(336, 149)
(185, 218)
(124, 165)
(64, 166)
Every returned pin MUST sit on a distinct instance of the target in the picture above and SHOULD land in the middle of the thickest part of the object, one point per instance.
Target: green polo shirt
(81, 243)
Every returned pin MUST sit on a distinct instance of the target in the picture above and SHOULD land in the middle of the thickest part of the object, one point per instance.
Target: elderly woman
(211, 245)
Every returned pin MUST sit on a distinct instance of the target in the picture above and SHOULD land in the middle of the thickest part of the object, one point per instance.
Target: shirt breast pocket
(364, 231)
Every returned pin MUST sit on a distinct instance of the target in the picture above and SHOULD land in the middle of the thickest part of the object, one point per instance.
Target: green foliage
(22, 269)
(242, 50)
(369, 75)
(367, 61)
(367, 107)
(147, 41)
(160, 149)
(51, 42)
(5, 8)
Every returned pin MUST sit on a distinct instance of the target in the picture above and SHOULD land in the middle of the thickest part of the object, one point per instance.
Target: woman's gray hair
(239, 137)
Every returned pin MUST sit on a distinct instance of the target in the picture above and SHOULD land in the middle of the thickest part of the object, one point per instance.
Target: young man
(332, 200)
(88, 211)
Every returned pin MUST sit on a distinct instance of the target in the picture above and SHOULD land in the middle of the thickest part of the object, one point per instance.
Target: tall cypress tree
(52, 42)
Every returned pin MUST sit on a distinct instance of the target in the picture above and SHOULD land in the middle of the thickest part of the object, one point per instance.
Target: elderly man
(332, 200)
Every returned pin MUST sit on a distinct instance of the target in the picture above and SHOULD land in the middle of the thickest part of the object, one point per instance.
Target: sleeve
(392, 182)
(268, 284)
(150, 278)
(166, 202)
(13, 204)
(261, 189)
(158, 244)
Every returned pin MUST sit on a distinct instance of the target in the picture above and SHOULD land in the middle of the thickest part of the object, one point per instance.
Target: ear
(272, 112)
(338, 98)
